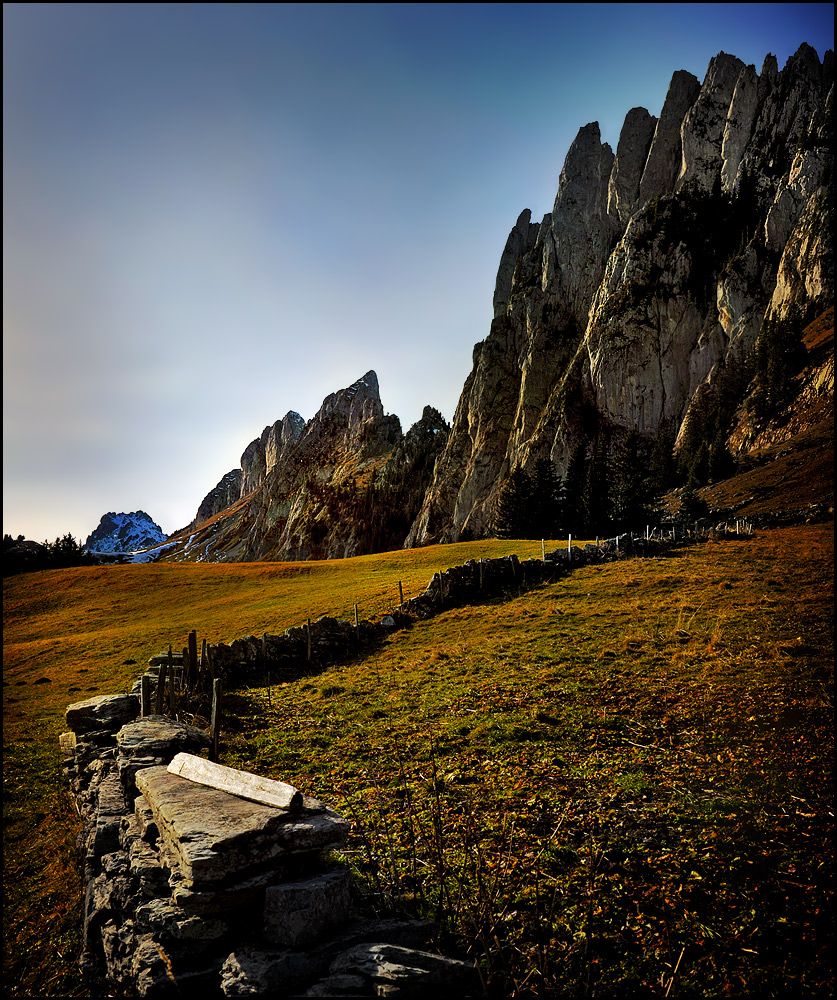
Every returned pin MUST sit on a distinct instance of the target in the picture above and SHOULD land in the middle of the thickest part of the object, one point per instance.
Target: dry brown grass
(558, 736)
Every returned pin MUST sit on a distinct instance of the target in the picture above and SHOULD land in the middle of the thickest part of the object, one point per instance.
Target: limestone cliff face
(655, 273)
(225, 493)
(344, 483)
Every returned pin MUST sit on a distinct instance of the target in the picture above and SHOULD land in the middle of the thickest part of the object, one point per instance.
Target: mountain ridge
(664, 296)
(622, 309)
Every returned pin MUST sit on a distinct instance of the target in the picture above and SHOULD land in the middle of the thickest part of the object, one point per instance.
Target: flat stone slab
(158, 736)
(103, 712)
(216, 838)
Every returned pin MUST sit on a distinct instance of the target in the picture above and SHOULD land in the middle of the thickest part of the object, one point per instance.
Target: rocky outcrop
(665, 156)
(225, 493)
(267, 451)
(124, 533)
(636, 304)
(346, 482)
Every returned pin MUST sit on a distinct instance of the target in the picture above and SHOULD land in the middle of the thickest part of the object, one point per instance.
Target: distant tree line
(23, 556)
(604, 491)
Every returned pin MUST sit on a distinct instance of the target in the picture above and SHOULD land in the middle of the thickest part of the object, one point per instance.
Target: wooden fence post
(308, 637)
(173, 699)
(266, 668)
(161, 685)
(543, 551)
(215, 718)
(145, 695)
(204, 664)
(357, 625)
(569, 547)
(481, 562)
(191, 672)
(400, 596)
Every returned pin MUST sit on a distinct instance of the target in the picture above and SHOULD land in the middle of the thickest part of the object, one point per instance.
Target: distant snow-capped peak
(125, 533)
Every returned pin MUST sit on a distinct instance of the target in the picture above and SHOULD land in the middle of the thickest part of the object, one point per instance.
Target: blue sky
(216, 213)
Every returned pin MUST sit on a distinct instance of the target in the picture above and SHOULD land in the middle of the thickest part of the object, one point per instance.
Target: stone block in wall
(106, 712)
(297, 914)
(393, 970)
(250, 970)
(152, 741)
(216, 838)
(144, 816)
(177, 930)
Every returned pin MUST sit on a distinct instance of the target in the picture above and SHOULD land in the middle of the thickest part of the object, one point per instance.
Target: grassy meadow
(617, 783)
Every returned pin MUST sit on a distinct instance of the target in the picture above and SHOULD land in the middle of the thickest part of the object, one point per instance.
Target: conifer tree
(546, 500)
(595, 509)
(574, 482)
(634, 484)
(513, 517)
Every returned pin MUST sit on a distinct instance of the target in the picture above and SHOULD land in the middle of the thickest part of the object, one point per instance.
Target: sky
(217, 213)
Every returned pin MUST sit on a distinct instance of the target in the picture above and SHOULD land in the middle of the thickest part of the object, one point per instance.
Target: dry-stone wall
(191, 891)
(331, 640)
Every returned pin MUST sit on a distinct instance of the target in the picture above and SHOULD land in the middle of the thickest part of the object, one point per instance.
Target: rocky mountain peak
(124, 533)
(665, 154)
(631, 155)
(636, 304)
(356, 404)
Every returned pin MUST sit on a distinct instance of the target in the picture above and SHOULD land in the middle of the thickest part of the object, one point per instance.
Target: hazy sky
(216, 213)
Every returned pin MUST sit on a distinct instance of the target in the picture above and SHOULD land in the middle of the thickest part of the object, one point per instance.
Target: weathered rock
(255, 971)
(124, 533)
(702, 133)
(227, 491)
(631, 155)
(155, 740)
(296, 914)
(239, 783)
(665, 155)
(297, 477)
(217, 838)
(406, 972)
(105, 712)
(738, 127)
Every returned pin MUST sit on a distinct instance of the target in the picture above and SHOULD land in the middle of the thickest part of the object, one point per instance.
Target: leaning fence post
(215, 717)
(145, 695)
(400, 596)
(543, 551)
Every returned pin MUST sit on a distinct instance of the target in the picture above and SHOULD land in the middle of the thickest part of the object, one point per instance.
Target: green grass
(591, 785)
